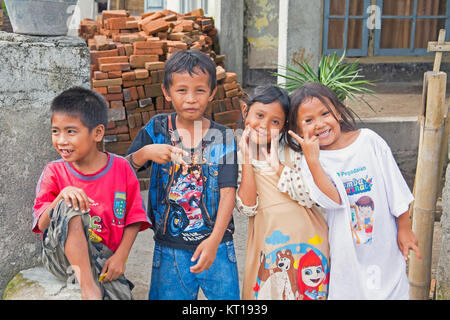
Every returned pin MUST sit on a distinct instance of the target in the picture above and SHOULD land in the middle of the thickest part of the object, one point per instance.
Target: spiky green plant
(343, 78)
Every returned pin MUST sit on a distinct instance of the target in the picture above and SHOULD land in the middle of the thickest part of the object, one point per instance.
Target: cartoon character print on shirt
(362, 220)
(280, 271)
(185, 199)
(362, 210)
(279, 282)
(311, 277)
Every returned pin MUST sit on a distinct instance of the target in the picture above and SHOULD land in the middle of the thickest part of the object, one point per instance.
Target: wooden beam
(438, 58)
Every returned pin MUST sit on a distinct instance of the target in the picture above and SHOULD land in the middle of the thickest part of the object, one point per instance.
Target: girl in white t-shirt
(369, 230)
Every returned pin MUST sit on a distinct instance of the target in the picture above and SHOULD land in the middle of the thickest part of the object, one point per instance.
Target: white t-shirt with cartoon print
(366, 262)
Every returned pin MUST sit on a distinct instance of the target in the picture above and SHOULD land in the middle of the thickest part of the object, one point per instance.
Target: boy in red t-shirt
(88, 204)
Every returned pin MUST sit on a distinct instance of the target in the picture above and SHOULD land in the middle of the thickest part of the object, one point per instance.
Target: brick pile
(128, 54)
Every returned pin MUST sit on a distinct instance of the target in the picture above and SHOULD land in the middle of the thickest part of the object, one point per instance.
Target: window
(190, 5)
(154, 5)
(397, 27)
(408, 25)
(345, 27)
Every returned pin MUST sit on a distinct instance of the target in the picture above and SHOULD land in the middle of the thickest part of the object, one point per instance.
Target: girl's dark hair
(83, 103)
(325, 95)
(187, 61)
(268, 94)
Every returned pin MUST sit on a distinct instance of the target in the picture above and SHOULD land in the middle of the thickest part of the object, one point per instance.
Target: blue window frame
(154, 5)
(412, 22)
(189, 5)
(345, 19)
(400, 27)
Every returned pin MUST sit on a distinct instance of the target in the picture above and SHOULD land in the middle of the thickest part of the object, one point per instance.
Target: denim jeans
(172, 279)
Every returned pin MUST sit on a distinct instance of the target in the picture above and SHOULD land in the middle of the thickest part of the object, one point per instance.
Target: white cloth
(366, 262)
(291, 181)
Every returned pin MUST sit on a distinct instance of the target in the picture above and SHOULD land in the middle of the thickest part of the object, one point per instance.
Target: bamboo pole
(426, 186)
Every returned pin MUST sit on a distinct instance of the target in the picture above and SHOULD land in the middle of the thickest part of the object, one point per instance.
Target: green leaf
(341, 77)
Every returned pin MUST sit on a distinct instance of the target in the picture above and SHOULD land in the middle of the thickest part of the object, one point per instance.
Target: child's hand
(163, 153)
(272, 158)
(77, 197)
(206, 250)
(244, 145)
(407, 240)
(113, 268)
(309, 144)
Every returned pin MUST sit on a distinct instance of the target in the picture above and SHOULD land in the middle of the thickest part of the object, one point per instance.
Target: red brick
(131, 121)
(128, 49)
(101, 42)
(227, 116)
(114, 96)
(116, 104)
(116, 23)
(98, 75)
(232, 93)
(115, 89)
(101, 90)
(107, 67)
(127, 76)
(153, 90)
(149, 45)
(130, 105)
(117, 59)
(155, 26)
(114, 74)
(148, 51)
(141, 73)
(230, 77)
(157, 65)
(133, 93)
(141, 92)
(100, 54)
(138, 61)
(119, 148)
(230, 86)
(106, 82)
(132, 24)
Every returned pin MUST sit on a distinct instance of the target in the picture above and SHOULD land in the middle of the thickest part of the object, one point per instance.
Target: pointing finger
(296, 137)
(178, 151)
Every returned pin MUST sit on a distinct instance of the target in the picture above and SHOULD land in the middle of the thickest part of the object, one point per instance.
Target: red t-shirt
(114, 188)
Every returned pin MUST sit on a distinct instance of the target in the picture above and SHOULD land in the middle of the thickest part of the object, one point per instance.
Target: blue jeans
(172, 279)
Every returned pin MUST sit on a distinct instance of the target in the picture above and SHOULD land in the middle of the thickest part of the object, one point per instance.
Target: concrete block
(402, 136)
(33, 71)
(39, 284)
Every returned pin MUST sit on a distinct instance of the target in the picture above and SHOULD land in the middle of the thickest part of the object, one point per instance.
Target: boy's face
(72, 139)
(189, 94)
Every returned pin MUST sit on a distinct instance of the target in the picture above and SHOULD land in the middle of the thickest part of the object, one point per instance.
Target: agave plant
(343, 78)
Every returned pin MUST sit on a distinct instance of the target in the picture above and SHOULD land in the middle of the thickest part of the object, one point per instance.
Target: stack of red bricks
(127, 64)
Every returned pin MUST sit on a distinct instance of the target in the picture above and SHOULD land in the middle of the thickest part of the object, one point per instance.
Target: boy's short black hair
(187, 61)
(84, 103)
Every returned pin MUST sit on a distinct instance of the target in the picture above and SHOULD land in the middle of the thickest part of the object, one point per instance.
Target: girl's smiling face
(316, 119)
(265, 121)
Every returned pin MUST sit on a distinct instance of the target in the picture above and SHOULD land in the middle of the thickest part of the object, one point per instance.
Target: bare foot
(91, 292)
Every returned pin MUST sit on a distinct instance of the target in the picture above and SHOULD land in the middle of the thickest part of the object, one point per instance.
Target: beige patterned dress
(287, 241)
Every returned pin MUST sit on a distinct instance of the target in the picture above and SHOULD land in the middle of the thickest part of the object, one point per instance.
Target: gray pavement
(139, 265)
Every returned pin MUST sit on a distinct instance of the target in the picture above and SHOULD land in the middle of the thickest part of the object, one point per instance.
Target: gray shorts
(55, 261)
